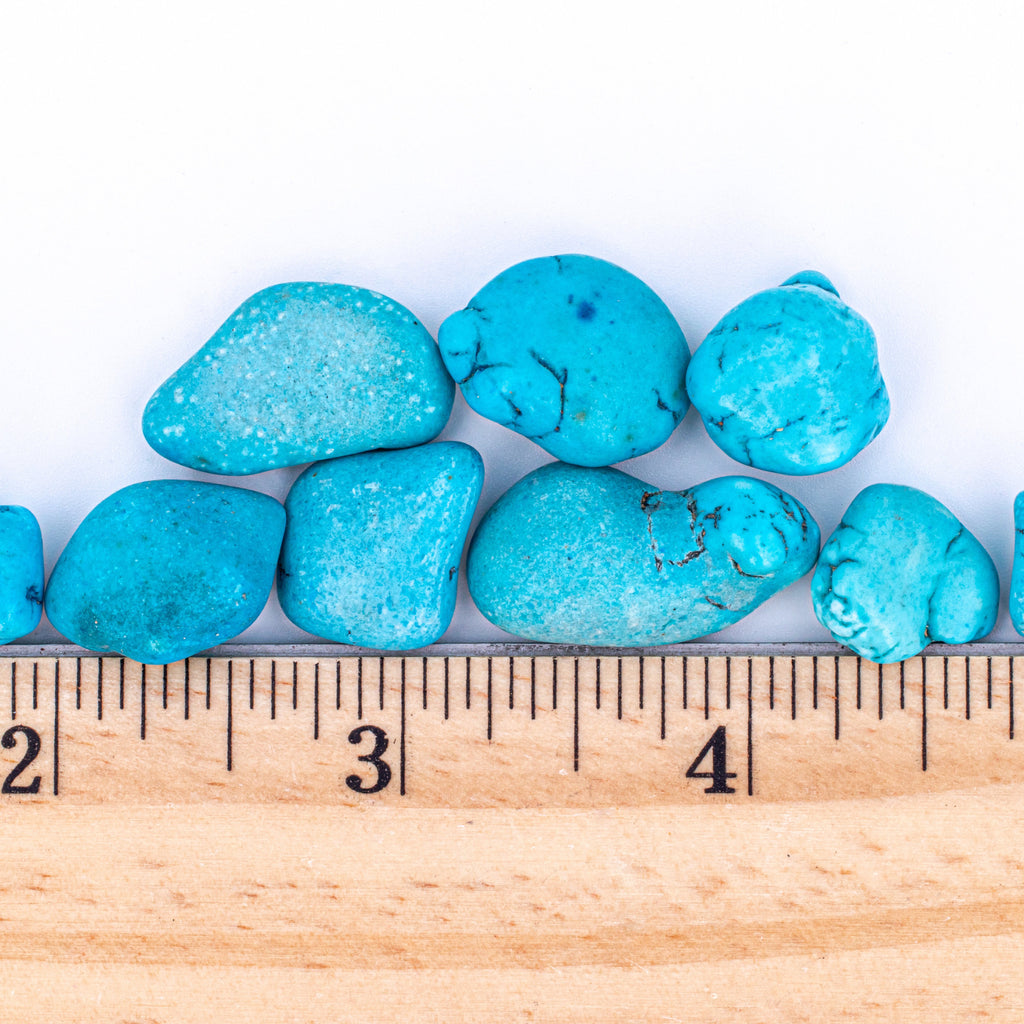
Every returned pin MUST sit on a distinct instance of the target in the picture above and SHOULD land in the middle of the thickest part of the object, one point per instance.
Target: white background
(164, 161)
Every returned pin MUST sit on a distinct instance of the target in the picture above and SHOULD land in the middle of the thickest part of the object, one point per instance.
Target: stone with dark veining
(373, 545)
(901, 571)
(21, 573)
(574, 353)
(164, 569)
(1017, 574)
(788, 381)
(302, 372)
(593, 556)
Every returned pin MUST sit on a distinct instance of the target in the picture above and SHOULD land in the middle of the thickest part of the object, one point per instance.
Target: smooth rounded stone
(372, 549)
(164, 569)
(593, 556)
(21, 573)
(899, 572)
(1017, 575)
(574, 353)
(788, 381)
(301, 372)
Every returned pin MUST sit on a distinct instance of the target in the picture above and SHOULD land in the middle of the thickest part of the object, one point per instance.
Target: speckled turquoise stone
(164, 569)
(372, 550)
(21, 572)
(1017, 575)
(901, 571)
(574, 353)
(788, 381)
(593, 556)
(302, 372)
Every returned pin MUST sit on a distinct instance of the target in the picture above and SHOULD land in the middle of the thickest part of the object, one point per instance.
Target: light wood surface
(565, 869)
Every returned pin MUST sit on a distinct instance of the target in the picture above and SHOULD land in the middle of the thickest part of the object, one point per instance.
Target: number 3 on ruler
(374, 757)
(718, 775)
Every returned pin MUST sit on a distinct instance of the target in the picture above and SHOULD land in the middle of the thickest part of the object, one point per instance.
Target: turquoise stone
(21, 572)
(301, 372)
(899, 572)
(574, 353)
(164, 569)
(788, 381)
(1017, 575)
(372, 549)
(593, 556)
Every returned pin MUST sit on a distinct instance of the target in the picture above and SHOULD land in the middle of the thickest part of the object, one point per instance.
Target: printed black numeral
(718, 775)
(9, 742)
(374, 757)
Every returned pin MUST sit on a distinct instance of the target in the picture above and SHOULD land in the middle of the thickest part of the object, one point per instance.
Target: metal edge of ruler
(528, 650)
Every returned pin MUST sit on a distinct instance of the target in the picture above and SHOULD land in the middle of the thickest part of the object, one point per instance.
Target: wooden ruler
(512, 833)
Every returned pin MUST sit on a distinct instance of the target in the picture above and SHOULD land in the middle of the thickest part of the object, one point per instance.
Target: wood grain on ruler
(512, 839)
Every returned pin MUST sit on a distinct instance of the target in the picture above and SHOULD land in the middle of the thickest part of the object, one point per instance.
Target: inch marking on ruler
(829, 739)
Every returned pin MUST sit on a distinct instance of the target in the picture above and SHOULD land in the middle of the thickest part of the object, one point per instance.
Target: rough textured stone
(301, 372)
(593, 556)
(372, 549)
(1017, 575)
(164, 569)
(574, 353)
(788, 381)
(21, 573)
(899, 572)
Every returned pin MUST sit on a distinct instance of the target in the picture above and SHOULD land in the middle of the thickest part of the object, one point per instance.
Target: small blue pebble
(593, 556)
(372, 549)
(574, 353)
(900, 572)
(1017, 575)
(164, 569)
(788, 381)
(301, 372)
(21, 572)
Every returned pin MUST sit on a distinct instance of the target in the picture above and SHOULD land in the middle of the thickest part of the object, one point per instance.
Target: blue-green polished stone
(1017, 574)
(372, 549)
(899, 572)
(574, 353)
(21, 572)
(788, 381)
(164, 569)
(301, 372)
(593, 556)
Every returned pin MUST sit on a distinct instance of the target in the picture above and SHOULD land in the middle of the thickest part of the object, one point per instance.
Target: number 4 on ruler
(718, 774)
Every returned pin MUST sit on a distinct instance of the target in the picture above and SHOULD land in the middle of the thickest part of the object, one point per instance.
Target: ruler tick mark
(316, 701)
(187, 676)
(380, 684)
(121, 686)
(14, 693)
(165, 688)
(1011, 696)
(99, 689)
(880, 684)
(56, 727)
(230, 712)
(686, 662)
(401, 734)
(750, 727)
(207, 684)
(511, 684)
(597, 684)
(903, 688)
(142, 704)
(792, 689)
(663, 697)
(835, 681)
(424, 669)
(78, 684)
(859, 664)
(446, 688)
(575, 714)
(35, 686)
(814, 683)
(967, 688)
(641, 683)
(707, 692)
(924, 715)
(359, 689)
(490, 714)
(945, 683)
(728, 685)
(295, 685)
(252, 681)
(771, 682)
(337, 686)
(273, 689)
(620, 688)
(554, 684)
(989, 661)
(467, 684)
(533, 688)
